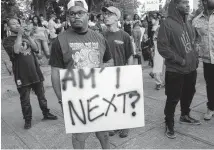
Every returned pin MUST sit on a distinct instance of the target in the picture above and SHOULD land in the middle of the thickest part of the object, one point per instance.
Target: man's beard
(77, 28)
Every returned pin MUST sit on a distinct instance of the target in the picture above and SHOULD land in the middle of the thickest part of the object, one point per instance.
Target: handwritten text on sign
(101, 100)
(151, 5)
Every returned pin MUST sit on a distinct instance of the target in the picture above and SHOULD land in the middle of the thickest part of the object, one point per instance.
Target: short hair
(125, 16)
(177, 1)
(41, 15)
(98, 16)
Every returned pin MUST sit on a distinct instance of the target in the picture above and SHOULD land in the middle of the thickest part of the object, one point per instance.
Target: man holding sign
(79, 47)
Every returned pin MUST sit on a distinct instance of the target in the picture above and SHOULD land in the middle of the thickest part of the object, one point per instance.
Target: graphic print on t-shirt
(186, 42)
(25, 48)
(85, 54)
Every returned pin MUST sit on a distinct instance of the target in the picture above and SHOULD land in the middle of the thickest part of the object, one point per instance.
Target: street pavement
(51, 134)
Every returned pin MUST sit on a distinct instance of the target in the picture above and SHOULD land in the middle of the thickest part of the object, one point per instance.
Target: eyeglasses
(79, 13)
(108, 14)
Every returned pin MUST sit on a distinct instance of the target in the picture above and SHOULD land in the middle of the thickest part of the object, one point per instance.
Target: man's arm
(107, 58)
(55, 79)
(129, 50)
(18, 42)
(164, 47)
(56, 63)
(33, 44)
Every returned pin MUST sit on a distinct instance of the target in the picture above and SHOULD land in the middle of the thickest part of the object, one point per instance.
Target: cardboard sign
(102, 99)
(151, 5)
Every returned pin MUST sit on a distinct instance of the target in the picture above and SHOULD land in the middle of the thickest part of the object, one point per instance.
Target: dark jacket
(176, 43)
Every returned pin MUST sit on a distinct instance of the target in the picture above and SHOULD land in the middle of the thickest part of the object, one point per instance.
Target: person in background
(100, 24)
(67, 24)
(41, 37)
(127, 26)
(204, 25)
(20, 47)
(158, 68)
(92, 20)
(52, 26)
(145, 41)
(58, 22)
(137, 34)
(43, 21)
(150, 40)
(120, 45)
(65, 54)
(176, 44)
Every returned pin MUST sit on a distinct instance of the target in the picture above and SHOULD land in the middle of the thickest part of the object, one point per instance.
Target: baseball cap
(53, 15)
(113, 10)
(81, 3)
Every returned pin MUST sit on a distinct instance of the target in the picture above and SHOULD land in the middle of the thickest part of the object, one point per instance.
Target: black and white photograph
(107, 74)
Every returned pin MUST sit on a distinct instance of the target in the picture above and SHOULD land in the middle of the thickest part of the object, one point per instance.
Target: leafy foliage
(9, 8)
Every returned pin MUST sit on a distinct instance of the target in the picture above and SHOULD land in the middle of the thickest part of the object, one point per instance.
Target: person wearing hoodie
(176, 44)
(204, 25)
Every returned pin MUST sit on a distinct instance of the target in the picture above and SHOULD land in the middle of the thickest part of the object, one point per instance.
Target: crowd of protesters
(172, 46)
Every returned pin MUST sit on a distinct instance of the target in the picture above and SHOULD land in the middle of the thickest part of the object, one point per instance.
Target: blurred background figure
(41, 38)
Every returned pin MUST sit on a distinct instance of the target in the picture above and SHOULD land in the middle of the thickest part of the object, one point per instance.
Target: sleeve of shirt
(8, 46)
(128, 47)
(56, 58)
(107, 55)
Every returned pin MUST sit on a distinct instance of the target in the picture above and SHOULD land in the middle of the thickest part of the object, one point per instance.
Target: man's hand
(21, 31)
(183, 62)
(27, 34)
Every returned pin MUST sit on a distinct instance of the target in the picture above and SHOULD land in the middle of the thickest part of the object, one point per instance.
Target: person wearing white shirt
(52, 26)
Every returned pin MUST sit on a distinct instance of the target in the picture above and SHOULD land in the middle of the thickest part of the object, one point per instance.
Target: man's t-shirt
(25, 66)
(75, 50)
(120, 45)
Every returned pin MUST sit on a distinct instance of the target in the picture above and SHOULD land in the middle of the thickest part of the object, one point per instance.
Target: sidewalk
(51, 134)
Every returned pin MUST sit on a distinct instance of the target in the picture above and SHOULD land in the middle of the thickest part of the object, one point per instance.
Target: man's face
(35, 20)
(101, 17)
(110, 18)
(14, 25)
(183, 7)
(78, 17)
(41, 18)
(210, 4)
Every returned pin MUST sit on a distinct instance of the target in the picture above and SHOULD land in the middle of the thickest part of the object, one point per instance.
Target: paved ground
(51, 134)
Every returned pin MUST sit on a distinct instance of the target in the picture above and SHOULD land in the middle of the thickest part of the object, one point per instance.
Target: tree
(9, 8)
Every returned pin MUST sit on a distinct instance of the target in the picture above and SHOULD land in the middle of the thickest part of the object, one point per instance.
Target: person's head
(144, 23)
(100, 17)
(78, 15)
(52, 17)
(154, 20)
(36, 21)
(111, 15)
(58, 20)
(41, 17)
(13, 25)
(182, 6)
(127, 17)
(208, 4)
(136, 17)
